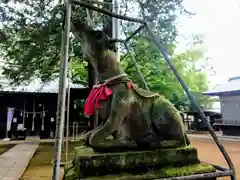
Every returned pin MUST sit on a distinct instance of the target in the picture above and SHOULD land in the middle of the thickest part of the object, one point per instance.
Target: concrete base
(135, 165)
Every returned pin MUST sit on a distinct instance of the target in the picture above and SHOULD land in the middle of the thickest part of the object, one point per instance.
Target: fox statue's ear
(112, 45)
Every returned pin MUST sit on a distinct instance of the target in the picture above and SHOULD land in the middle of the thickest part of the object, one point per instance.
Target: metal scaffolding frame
(221, 171)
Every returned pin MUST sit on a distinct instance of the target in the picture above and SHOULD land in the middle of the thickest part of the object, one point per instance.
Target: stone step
(89, 163)
(85, 157)
(32, 139)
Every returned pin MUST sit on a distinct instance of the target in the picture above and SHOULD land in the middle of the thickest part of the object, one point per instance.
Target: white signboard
(9, 118)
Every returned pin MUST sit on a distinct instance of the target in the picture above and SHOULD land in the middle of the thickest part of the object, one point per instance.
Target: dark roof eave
(205, 112)
(36, 92)
(224, 93)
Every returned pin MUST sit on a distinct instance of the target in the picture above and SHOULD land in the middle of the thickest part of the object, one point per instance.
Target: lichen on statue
(137, 117)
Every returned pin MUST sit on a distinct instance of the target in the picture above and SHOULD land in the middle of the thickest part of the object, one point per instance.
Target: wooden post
(33, 116)
(24, 109)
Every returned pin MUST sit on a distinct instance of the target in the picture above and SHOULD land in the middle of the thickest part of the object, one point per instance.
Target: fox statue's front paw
(86, 137)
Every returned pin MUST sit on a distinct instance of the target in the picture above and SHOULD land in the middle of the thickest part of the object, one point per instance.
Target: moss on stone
(69, 171)
(70, 174)
(135, 165)
(68, 165)
(110, 146)
(161, 173)
(87, 162)
(165, 172)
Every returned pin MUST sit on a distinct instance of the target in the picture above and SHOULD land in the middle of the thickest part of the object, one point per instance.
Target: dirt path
(209, 152)
(40, 173)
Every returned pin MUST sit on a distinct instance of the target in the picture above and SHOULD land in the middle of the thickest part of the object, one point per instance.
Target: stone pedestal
(135, 165)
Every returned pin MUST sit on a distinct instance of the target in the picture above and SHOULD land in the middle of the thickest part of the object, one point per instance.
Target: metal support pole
(106, 12)
(201, 176)
(192, 99)
(134, 33)
(62, 95)
(68, 109)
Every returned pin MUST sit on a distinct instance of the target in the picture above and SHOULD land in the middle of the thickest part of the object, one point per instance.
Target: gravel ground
(209, 152)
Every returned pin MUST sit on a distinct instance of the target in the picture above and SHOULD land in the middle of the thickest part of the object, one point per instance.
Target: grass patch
(40, 166)
(45, 152)
(5, 147)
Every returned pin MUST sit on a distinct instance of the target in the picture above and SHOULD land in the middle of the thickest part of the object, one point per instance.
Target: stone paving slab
(36, 139)
(14, 162)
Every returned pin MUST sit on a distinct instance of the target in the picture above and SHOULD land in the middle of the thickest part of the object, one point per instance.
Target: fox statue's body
(135, 116)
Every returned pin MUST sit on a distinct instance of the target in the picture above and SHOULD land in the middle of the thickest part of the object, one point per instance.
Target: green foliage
(159, 76)
(30, 41)
(31, 35)
(79, 72)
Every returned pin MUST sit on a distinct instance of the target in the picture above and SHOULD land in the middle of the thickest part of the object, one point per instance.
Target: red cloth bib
(97, 94)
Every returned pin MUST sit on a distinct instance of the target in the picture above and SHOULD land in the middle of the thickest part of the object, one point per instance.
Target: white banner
(10, 114)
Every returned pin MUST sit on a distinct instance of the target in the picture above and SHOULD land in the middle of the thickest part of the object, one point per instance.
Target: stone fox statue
(136, 116)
